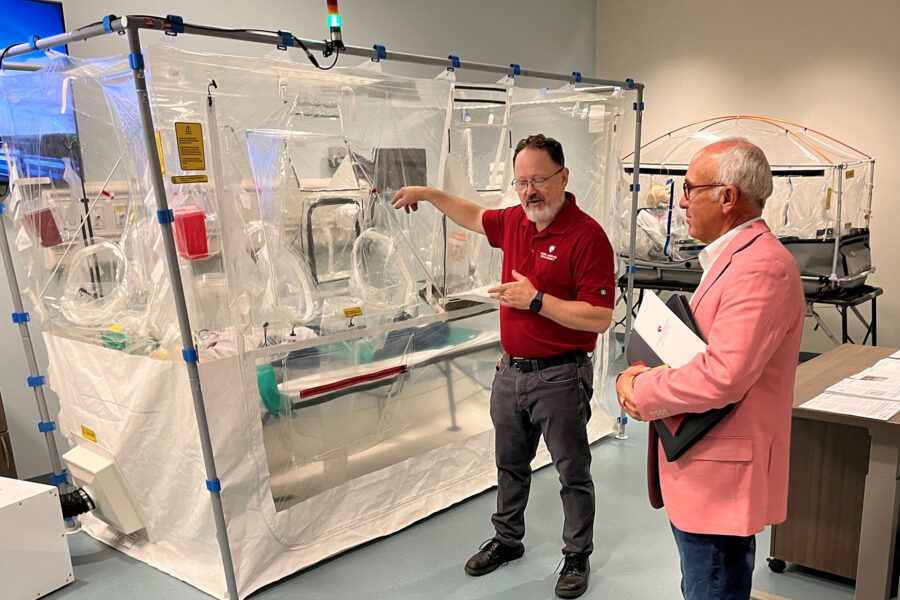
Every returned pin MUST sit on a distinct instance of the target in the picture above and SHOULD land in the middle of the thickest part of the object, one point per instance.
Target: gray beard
(544, 214)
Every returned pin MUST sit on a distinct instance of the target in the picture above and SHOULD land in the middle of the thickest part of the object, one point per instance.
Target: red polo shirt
(571, 259)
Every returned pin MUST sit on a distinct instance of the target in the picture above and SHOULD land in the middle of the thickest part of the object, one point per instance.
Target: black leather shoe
(573, 578)
(491, 555)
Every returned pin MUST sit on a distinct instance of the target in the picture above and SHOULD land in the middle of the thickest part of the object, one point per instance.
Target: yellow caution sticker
(850, 174)
(190, 146)
(190, 179)
(828, 200)
(356, 311)
(159, 150)
(88, 434)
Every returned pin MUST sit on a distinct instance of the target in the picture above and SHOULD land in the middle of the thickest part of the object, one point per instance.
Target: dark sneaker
(573, 578)
(491, 555)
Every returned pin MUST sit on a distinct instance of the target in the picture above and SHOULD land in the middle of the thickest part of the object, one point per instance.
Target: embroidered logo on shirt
(549, 254)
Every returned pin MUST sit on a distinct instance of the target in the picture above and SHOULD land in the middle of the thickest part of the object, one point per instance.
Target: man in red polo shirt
(556, 296)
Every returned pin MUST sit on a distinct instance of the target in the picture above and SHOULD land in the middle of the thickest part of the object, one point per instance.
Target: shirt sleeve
(595, 271)
(494, 222)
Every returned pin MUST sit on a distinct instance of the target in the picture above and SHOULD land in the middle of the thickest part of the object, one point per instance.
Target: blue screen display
(40, 152)
(23, 19)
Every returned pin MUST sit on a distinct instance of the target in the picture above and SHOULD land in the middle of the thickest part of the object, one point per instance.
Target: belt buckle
(522, 364)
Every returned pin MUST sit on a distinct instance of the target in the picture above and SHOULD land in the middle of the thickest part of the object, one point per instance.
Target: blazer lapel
(743, 239)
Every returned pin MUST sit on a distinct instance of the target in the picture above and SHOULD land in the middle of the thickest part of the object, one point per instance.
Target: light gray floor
(634, 556)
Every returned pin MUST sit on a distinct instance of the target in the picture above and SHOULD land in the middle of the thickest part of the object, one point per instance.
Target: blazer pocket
(723, 449)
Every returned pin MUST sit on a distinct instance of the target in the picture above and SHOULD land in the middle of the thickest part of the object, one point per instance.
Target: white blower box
(34, 552)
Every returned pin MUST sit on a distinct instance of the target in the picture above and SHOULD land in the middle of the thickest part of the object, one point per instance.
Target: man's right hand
(462, 212)
(408, 197)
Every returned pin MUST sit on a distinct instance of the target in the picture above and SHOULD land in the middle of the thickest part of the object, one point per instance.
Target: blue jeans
(715, 567)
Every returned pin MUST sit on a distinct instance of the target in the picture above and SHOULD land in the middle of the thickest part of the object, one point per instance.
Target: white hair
(744, 165)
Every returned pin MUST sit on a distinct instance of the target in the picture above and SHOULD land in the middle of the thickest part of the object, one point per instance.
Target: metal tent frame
(131, 27)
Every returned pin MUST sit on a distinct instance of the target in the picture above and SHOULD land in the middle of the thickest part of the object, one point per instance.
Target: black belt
(528, 365)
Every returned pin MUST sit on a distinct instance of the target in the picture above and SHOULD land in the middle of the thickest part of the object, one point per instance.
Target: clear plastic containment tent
(820, 206)
(346, 350)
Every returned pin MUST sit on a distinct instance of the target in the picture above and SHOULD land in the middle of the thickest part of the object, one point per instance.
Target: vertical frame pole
(189, 352)
(635, 188)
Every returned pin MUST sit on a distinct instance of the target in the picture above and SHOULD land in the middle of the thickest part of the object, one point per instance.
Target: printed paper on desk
(665, 333)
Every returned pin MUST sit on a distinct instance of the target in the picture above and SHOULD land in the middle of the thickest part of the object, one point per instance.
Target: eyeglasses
(687, 188)
(537, 182)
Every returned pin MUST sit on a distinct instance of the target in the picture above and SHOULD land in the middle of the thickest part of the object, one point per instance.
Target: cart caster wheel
(776, 565)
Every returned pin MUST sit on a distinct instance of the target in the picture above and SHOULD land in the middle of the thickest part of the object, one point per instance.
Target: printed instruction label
(356, 311)
(88, 434)
(828, 200)
(850, 174)
(190, 179)
(190, 146)
(159, 150)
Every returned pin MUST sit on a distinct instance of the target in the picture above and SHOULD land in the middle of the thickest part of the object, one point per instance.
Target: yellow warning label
(190, 146)
(162, 158)
(850, 174)
(828, 200)
(88, 434)
(353, 312)
(190, 179)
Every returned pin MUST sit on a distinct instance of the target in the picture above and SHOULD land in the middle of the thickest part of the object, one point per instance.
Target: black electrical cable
(3, 54)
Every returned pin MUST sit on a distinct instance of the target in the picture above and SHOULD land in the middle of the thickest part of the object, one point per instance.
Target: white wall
(540, 35)
(827, 64)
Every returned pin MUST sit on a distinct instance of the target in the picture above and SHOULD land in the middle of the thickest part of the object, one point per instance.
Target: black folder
(695, 425)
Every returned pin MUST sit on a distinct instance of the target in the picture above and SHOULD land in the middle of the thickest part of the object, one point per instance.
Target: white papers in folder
(665, 333)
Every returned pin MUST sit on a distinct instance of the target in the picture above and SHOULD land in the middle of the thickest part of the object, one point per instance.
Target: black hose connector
(76, 503)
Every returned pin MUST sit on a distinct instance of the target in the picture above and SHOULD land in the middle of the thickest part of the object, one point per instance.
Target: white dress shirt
(709, 254)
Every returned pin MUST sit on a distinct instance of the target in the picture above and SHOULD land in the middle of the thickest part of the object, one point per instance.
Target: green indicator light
(334, 20)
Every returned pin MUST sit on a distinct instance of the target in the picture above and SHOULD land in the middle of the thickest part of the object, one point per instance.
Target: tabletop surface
(826, 369)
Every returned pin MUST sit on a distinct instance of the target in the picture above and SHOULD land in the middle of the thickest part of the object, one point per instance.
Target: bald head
(743, 165)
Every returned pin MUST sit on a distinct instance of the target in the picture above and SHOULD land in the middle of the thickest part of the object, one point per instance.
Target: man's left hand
(625, 390)
(515, 294)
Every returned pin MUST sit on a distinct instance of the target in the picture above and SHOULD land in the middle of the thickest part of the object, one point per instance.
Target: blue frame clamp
(176, 25)
(623, 420)
(136, 61)
(632, 187)
(380, 52)
(35, 380)
(165, 217)
(107, 23)
(516, 69)
(576, 76)
(638, 106)
(630, 83)
(454, 61)
(2, 208)
(213, 485)
(633, 268)
(46, 426)
(33, 42)
(58, 478)
(189, 355)
(22, 317)
(287, 39)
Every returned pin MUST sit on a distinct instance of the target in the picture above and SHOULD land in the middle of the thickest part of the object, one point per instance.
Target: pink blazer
(750, 308)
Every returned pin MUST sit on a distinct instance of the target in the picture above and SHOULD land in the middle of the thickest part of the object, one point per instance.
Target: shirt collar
(564, 221)
(709, 254)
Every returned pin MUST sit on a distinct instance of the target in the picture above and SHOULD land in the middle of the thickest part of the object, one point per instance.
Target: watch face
(536, 305)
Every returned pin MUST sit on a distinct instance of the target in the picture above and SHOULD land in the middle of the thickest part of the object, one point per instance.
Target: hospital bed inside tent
(819, 209)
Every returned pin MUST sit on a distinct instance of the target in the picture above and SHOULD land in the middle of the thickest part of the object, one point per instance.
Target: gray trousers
(554, 402)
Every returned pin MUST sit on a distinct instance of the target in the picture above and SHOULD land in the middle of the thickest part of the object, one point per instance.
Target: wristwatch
(537, 304)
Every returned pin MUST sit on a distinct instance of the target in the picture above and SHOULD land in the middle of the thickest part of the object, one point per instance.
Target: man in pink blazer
(750, 307)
